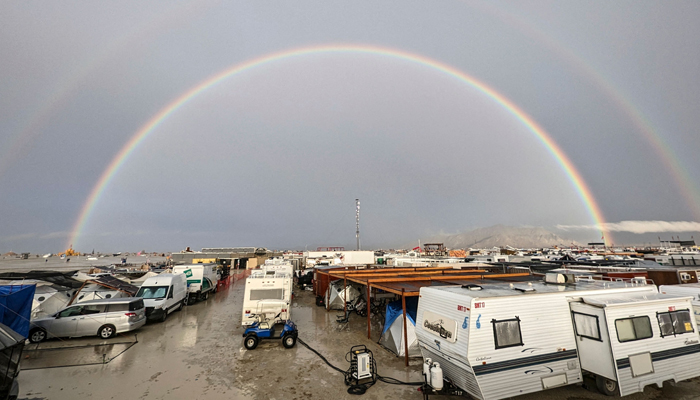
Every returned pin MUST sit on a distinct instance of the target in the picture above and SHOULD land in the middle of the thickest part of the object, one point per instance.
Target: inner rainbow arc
(580, 186)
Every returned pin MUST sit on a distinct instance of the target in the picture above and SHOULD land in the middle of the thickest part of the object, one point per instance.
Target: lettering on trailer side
(441, 326)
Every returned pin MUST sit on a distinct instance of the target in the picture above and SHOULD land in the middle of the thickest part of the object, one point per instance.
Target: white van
(202, 280)
(163, 294)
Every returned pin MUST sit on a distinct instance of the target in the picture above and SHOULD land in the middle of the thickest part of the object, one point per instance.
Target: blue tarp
(395, 309)
(16, 307)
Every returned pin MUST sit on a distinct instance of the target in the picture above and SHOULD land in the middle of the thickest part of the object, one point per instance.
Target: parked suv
(103, 318)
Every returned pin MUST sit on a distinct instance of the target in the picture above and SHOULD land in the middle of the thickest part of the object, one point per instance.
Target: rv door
(593, 340)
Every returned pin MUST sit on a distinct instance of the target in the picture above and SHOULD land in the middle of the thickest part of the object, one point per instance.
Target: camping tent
(16, 307)
(392, 334)
(335, 295)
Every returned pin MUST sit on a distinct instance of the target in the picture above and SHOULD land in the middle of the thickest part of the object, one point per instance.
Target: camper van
(202, 280)
(627, 342)
(484, 336)
(163, 294)
(270, 287)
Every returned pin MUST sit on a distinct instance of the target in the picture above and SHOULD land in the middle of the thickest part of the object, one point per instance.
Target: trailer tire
(606, 386)
(37, 335)
(288, 341)
(250, 342)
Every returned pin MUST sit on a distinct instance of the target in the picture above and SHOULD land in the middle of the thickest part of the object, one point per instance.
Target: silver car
(103, 318)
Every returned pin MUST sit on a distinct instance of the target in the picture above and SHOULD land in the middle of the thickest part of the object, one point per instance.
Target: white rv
(277, 266)
(501, 340)
(202, 280)
(264, 285)
(627, 342)
(163, 294)
(686, 289)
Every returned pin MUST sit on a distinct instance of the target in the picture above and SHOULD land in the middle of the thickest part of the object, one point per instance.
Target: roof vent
(471, 286)
(527, 288)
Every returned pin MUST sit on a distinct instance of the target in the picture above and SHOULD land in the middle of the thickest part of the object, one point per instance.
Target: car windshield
(152, 292)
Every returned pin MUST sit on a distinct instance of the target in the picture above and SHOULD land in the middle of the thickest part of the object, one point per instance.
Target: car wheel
(288, 341)
(106, 332)
(165, 316)
(205, 296)
(181, 306)
(37, 335)
(189, 300)
(250, 342)
(606, 386)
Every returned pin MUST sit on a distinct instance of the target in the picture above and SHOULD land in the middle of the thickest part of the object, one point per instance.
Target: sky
(441, 117)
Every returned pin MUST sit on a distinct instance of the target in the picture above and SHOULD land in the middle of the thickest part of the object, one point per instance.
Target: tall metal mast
(357, 218)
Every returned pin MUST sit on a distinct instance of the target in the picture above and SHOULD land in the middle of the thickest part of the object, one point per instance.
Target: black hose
(362, 388)
(320, 356)
(394, 381)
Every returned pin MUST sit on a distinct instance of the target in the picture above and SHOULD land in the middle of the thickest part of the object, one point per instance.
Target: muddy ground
(198, 353)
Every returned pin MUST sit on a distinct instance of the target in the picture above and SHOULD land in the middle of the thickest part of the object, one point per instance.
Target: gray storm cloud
(276, 155)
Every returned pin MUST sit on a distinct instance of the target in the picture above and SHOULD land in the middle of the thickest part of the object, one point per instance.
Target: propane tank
(436, 379)
(426, 369)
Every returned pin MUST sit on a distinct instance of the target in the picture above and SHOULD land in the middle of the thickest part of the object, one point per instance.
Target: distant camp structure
(69, 252)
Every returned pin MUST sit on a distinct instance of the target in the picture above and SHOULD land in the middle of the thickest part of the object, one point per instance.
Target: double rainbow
(582, 189)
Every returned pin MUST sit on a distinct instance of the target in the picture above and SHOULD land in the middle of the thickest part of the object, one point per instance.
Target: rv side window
(674, 322)
(587, 326)
(264, 294)
(630, 329)
(506, 333)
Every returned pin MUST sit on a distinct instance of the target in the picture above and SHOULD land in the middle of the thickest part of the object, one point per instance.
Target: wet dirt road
(198, 353)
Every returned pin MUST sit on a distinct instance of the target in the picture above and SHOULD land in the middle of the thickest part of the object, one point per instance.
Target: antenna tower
(357, 220)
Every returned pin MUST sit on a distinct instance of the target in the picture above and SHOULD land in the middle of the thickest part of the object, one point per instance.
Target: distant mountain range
(501, 236)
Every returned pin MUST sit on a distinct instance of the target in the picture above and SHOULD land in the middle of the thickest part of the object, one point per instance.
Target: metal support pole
(369, 326)
(345, 295)
(328, 289)
(405, 333)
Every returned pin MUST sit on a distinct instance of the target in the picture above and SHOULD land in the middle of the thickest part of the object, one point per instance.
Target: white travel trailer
(202, 280)
(501, 340)
(264, 285)
(627, 342)
(686, 289)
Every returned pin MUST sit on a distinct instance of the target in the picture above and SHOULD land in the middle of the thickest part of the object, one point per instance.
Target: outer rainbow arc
(574, 176)
(687, 187)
